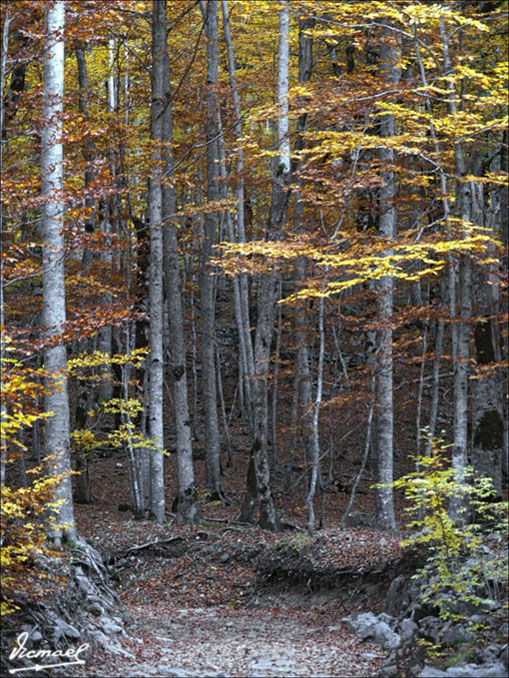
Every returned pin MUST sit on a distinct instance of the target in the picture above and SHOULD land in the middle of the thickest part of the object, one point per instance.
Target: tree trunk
(157, 501)
(242, 305)
(268, 291)
(385, 288)
(487, 395)
(461, 331)
(188, 509)
(315, 438)
(61, 522)
(207, 300)
(3, 409)
(104, 342)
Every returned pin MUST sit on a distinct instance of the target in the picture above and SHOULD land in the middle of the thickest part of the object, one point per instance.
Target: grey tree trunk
(207, 300)
(268, 292)
(157, 501)
(83, 494)
(3, 409)
(241, 283)
(306, 410)
(487, 391)
(61, 525)
(104, 343)
(188, 509)
(461, 331)
(315, 438)
(385, 287)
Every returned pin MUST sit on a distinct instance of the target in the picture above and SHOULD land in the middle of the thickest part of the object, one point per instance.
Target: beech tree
(188, 510)
(56, 429)
(156, 376)
(387, 229)
(207, 302)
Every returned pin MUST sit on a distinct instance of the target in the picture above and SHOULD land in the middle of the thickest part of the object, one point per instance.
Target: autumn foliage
(398, 115)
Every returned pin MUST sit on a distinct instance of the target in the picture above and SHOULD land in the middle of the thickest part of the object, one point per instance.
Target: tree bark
(61, 525)
(487, 395)
(3, 409)
(385, 290)
(157, 500)
(461, 331)
(240, 283)
(207, 300)
(188, 509)
(268, 291)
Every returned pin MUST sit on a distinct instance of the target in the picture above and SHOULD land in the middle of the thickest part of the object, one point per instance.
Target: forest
(254, 288)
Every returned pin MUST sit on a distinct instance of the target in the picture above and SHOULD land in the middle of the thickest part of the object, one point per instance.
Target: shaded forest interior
(254, 261)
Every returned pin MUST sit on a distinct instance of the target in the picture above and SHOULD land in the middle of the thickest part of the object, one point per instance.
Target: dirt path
(232, 643)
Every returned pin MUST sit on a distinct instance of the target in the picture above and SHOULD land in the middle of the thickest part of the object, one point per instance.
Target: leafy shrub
(467, 556)
(25, 519)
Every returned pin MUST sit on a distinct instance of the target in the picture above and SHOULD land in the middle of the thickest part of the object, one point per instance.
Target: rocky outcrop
(473, 639)
(83, 612)
(400, 637)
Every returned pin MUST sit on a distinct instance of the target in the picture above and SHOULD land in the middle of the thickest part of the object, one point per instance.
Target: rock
(385, 636)
(456, 635)
(484, 619)
(62, 628)
(357, 622)
(430, 627)
(504, 655)
(109, 627)
(366, 625)
(395, 595)
(407, 629)
(388, 619)
(489, 654)
(389, 671)
(102, 639)
(477, 671)
(95, 608)
(466, 671)
(431, 672)
(84, 585)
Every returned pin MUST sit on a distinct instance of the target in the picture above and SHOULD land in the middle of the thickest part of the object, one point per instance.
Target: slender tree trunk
(242, 306)
(435, 384)
(105, 390)
(304, 377)
(315, 447)
(3, 409)
(462, 329)
(207, 297)
(61, 524)
(487, 398)
(268, 290)
(156, 267)
(135, 476)
(188, 509)
(88, 152)
(385, 291)
(85, 390)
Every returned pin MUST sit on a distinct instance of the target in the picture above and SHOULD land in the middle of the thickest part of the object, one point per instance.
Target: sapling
(462, 574)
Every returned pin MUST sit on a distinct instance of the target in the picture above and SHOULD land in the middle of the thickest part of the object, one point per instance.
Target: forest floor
(199, 603)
